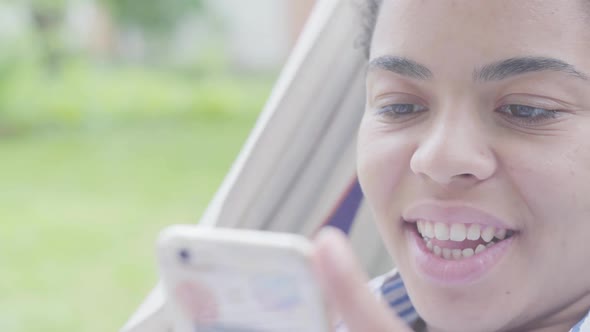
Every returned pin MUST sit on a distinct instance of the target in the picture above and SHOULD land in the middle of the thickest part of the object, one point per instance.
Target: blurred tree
(47, 18)
(152, 16)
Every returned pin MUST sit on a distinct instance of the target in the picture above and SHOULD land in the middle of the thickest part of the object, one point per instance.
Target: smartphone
(230, 280)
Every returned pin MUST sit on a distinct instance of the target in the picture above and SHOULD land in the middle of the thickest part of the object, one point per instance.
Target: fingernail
(333, 249)
(326, 231)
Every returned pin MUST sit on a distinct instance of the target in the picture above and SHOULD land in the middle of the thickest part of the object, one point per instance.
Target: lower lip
(454, 272)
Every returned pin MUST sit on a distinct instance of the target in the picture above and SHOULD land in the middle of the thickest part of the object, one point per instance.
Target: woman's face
(477, 123)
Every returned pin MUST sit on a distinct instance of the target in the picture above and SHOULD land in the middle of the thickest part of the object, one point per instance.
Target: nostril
(447, 158)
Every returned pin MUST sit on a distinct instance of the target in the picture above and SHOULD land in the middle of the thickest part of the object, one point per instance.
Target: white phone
(229, 280)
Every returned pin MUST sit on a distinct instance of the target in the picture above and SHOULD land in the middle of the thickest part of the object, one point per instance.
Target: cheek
(383, 159)
(554, 181)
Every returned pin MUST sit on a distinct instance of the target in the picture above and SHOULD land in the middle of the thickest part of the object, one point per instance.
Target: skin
(461, 142)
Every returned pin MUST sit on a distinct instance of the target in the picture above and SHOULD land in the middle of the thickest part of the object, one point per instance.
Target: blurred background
(117, 118)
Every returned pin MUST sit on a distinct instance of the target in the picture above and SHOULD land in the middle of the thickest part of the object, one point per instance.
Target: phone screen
(232, 290)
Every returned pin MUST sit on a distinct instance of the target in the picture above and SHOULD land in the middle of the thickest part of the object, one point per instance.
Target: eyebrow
(495, 71)
(402, 66)
(522, 65)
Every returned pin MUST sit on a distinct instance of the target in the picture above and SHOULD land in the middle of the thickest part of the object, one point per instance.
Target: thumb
(345, 286)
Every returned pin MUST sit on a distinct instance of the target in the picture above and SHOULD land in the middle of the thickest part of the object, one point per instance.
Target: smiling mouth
(456, 241)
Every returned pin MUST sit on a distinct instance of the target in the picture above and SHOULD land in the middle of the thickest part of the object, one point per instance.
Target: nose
(454, 151)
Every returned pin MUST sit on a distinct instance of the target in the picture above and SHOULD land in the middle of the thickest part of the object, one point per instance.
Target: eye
(400, 110)
(527, 114)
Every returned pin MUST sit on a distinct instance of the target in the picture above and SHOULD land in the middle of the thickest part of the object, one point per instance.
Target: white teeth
(458, 232)
(501, 233)
(480, 248)
(474, 232)
(420, 225)
(446, 253)
(428, 229)
(437, 250)
(456, 254)
(441, 231)
(488, 233)
(468, 252)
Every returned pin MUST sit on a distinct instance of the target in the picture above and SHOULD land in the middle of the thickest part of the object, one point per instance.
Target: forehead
(455, 33)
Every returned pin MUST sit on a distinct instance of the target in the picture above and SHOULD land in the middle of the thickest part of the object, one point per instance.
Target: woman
(474, 155)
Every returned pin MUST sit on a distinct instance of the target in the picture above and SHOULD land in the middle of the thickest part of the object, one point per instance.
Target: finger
(345, 285)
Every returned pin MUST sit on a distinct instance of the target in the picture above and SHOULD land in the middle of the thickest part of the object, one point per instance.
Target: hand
(345, 286)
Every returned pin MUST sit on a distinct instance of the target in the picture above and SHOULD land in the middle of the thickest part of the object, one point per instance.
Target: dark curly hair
(369, 12)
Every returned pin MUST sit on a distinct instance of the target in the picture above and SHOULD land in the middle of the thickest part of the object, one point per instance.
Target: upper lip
(452, 213)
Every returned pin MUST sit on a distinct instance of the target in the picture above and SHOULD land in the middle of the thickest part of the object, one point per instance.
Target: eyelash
(393, 110)
(533, 114)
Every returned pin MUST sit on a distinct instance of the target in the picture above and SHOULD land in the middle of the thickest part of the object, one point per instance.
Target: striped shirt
(390, 288)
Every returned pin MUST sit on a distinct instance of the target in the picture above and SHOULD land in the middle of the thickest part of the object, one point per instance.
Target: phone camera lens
(184, 255)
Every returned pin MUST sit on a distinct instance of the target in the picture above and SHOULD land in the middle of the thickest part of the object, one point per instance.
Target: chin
(456, 310)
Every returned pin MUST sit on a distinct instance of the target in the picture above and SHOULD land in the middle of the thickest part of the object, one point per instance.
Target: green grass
(81, 209)
(84, 95)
